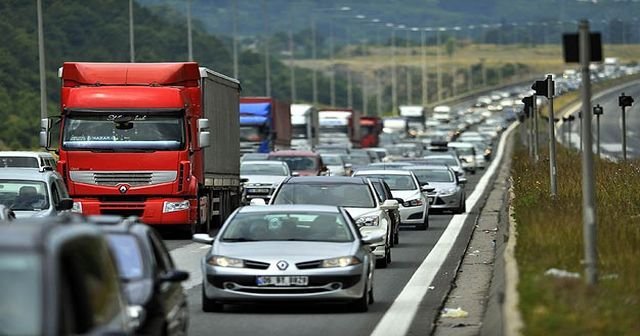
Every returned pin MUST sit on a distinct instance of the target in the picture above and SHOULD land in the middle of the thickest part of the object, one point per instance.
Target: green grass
(550, 236)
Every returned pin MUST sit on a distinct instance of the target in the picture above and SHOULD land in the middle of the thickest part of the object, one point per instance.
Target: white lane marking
(188, 258)
(398, 319)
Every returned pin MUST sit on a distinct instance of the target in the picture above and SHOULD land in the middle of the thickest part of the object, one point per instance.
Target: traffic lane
(611, 123)
(332, 319)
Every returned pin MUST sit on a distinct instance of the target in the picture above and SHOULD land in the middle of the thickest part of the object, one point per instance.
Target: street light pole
(425, 79)
(349, 80)
(189, 41)
(267, 65)
(314, 72)
(43, 81)
(438, 66)
(407, 68)
(332, 78)
(132, 50)
(394, 89)
(292, 71)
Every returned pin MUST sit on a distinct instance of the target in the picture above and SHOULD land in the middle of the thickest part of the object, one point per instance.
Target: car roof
(25, 154)
(325, 180)
(383, 172)
(427, 167)
(265, 162)
(294, 153)
(288, 207)
(33, 174)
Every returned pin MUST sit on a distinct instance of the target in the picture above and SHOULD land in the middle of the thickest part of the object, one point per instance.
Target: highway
(611, 123)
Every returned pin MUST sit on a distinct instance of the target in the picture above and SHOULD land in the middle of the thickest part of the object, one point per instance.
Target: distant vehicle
(414, 210)
(254, 157)
(262, 178)
(337, 126)
(334, 149)
(442, 113)
(396, 125)
(265, 125)
(380, 152)
(153, 140)
(355, 194)
(304, 126)
(336, 164)
(384, 193)
(448, 160)
(33, 193)
(52, 271)
(359, 158)
(415, 116)
(467, 155)
(370, 129)
(316, 252)
(405, 149)
(449, 193)
(303, 163)
(148, 275)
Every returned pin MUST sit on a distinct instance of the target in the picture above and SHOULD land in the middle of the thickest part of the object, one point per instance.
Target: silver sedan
(288, 253)
(449, 193)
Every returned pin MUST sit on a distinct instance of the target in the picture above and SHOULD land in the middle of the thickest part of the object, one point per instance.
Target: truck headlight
(175, 206)
(77, 207)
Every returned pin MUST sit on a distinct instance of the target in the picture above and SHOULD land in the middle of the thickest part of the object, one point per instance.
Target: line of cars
(63, 273)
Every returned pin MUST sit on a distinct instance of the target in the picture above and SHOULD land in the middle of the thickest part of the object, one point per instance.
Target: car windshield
(396, 182)
(332, 160)
(21, 294)
(465, 150)
(249, 168)
(448, 161)
(337, 194)
(18, 162)
(123, 131)
(128, 256)
(297, 162)
(290, 225)
(428, 176)
(22, 195)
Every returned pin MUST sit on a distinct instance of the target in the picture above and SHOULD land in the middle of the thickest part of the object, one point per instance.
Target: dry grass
(550, 236)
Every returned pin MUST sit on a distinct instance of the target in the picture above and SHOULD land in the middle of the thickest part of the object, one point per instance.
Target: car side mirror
(64, 204)
(257, 201)
(373, 238)
(389, 204)
(174, 276)
(295, 174)
(462, 180)
(203, 238)
(427, 188)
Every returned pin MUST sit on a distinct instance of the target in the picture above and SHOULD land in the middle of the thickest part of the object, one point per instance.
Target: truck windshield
(299, 131)
(124, 131)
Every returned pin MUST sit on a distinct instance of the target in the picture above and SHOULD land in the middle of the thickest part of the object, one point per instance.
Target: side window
(90, 272)
(163, 259)
(379, 192)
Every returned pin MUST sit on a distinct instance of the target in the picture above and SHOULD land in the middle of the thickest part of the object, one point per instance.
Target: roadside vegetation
(550, 236)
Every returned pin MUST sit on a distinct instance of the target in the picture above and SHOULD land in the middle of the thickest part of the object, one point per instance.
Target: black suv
(59, 277)
(148, 275)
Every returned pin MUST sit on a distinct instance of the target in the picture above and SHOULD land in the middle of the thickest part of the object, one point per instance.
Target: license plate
(259, 190)
(282, 281)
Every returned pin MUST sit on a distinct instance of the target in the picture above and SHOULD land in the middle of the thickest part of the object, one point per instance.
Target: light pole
(43, 82)
(267, 65)
(292, 71)
(189, 41)
(454, 68)
(470, 69)
(425, 78)
(332, 78)
(394, 91)
(438, 65)
(349, 80)
(132, 50)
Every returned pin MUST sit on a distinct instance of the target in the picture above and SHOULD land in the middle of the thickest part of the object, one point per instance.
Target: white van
(442, 113)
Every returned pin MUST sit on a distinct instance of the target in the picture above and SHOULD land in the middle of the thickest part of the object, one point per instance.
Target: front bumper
(237, 285)
(413, 215)
(150, 211)
(444, 202)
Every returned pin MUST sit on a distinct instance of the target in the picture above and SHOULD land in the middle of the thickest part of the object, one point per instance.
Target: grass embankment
(550, 236)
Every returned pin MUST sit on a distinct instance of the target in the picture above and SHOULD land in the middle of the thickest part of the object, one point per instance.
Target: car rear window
(18, 162)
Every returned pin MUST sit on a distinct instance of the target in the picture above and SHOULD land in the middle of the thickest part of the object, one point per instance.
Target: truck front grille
(114, 178)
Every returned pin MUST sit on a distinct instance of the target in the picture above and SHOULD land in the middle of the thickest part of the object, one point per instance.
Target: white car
(414, 210)
(355, 194)
(336, 164)
(467, 155)
(262, 178)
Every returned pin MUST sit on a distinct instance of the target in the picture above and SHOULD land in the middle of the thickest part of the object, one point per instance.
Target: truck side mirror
(45, 124)
(204, 135)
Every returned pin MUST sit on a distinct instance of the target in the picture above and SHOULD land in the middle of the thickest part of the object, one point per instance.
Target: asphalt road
(408, 258)
(611, 123)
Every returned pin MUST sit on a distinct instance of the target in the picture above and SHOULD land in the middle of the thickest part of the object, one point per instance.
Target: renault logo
(282, 265)
(123, 188)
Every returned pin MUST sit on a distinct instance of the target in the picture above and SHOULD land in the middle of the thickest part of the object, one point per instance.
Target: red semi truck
(370, 129)
(156, 140)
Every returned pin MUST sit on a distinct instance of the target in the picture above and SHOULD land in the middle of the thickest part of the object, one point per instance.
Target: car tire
(384, 261)
(361, 305)
(210, 306)
(396, 238)
(425, 225)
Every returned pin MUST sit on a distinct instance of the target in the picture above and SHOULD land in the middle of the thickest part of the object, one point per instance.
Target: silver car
(449, 191)
(31, 192)
(262, 178)
(288, 253)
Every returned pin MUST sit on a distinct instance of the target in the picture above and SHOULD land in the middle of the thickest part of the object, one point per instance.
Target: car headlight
(77, 207)
(225, 262)
(175, 206)
(340, 262)
(412, 203)
(448, 191)
(368, 221)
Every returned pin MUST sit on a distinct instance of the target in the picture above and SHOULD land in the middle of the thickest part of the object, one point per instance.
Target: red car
(302, 163)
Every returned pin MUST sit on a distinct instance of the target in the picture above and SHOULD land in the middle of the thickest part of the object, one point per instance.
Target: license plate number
(282, 281)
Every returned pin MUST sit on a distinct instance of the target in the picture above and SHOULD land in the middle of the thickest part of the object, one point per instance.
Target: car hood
(406, 195)
(263, 179)
(359, 212)
(290, 251)
(442, 185)
(30, 214)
